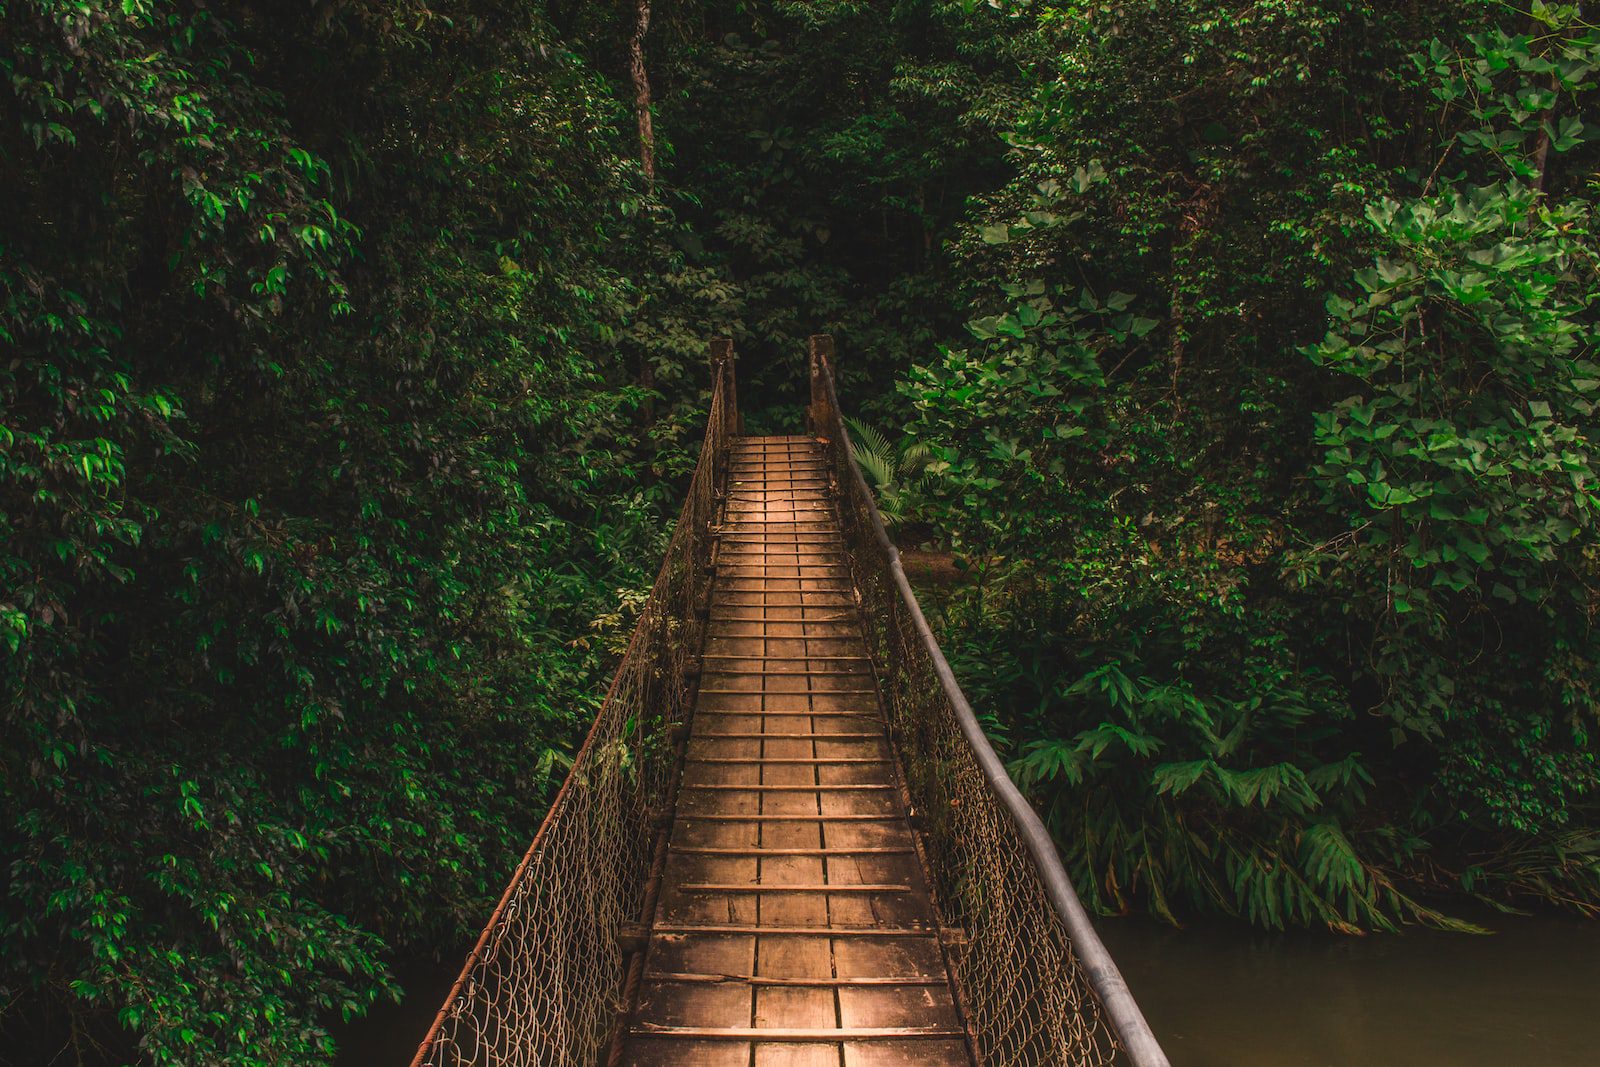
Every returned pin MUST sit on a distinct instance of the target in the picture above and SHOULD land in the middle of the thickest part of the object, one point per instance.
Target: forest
(1234, 364)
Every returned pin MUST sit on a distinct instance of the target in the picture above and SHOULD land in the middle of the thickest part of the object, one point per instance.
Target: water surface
(1529, 994)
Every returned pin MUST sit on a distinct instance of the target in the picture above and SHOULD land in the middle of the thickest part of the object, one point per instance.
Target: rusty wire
(541, 987)
(1036, 983)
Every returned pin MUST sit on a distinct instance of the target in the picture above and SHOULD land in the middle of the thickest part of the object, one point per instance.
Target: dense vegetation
(350, 352)
(309, 485)
(1286, 600)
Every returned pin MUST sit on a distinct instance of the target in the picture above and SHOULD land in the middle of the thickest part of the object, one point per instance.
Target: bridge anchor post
(722, 369)
(821, 348)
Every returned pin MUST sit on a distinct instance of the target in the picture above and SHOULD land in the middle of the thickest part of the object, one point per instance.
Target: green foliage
(1463, 468)
(1261, 646)
(351, 367)
(306, 421)
(826, 152)
(895, 473)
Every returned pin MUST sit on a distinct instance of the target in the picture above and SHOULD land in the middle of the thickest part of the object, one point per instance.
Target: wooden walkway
(794, 927)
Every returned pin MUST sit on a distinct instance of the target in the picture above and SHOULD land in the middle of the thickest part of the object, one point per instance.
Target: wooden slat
(794, 817)
(767, 930)
(816, 713)
(750, 583)
(782, 659)
(786, 693)
(819, 983)
(715, 850)
(725, 673)
(846, 787)
(763, 540)
(781, 761)
(780, 887)
(731, 557)
(787, 735)
(797, 1033)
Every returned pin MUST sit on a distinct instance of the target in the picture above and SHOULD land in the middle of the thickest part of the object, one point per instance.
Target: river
(1222, 996)
(1527, 995)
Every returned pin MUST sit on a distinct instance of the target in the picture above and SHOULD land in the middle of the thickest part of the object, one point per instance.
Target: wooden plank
(757, 761)
(676, 1052)
(792, 735)
(704, 691)
(797, 817)
(759, 539)
(816, 714)
(801, 788)
(788, 887)
(825, 983)
(784, 659)
(766, 930)
(924, 1053)
(723, 674)
(709, 850)
(784, 1033)
(793, 1053)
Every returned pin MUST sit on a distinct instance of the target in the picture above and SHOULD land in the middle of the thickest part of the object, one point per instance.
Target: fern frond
(879, 468)
(915, 459)
(868, 438)
(872, 452)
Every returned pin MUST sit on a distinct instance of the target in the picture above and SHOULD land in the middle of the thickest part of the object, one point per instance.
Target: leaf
(1176, 778)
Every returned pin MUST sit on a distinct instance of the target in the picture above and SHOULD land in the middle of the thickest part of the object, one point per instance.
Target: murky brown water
(1225, 997)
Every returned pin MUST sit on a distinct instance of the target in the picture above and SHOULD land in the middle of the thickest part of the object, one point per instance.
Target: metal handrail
(1133, 1032)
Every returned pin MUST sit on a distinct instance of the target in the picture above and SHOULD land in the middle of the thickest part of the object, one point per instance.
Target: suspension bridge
(786, 841)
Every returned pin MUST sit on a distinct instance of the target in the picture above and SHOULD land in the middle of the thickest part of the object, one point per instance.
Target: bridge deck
(794, 927)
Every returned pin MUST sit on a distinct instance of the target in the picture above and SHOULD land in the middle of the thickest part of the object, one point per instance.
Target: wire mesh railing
(541, 987)
(1037, 985)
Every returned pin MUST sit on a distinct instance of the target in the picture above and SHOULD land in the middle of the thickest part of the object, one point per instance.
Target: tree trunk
(641, 91)
(1541, 144)
(1547, 121)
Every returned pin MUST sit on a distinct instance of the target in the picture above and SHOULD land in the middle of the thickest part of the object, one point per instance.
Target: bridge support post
(722, 363)
(816, 415)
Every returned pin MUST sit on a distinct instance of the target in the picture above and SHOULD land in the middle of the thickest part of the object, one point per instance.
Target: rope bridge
(786, 839)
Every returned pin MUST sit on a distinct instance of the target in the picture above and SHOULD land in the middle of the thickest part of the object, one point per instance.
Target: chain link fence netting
(542, 986)
(1033, 993)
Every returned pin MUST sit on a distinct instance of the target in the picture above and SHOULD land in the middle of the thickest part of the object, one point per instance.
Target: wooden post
(722, 370)
(822, 351)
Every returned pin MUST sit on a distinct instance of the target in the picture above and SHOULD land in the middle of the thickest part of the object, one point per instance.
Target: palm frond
(868, 437)
(878, 468)
(915, 459)
(873, 451)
